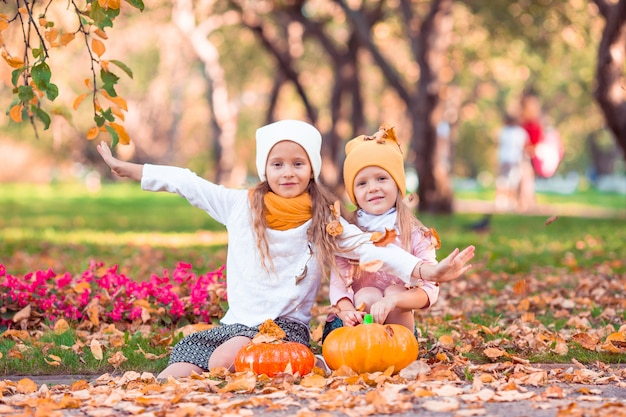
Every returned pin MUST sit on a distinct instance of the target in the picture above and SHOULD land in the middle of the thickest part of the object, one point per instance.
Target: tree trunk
(432, 151)
(609, 91)
(224, 120)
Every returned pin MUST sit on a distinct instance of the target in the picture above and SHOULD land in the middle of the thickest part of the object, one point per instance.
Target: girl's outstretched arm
(448, 269)
(119, 168)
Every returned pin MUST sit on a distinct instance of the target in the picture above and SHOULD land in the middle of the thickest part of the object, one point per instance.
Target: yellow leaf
(3, 25)
(26, 386)
(493, 353)
(117, 359)
(585, 340)
(81, 286)
(244, 382)
(383, 240)
(98, 47)
(42, 21)
(96, 349)
(13, 62)
(520, 287)
(67, 38)
(119, 101)
(615, 342)
(22, 10)
(123, 136)
(101, 33)
(93, 312)
(118, 113)
(51, 34)
(61, 326)
(79, 100)
(88, 82)
(17, 334)
(93, 133)
(56, 361)
(313, 381)
(16, 113)
(446, 341)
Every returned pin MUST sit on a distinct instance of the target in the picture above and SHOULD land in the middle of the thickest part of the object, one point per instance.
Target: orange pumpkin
(273, 358)
(370, 347)
(269, 354)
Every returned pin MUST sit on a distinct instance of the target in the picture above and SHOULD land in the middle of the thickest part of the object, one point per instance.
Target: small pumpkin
(269, 354)
(370, 347)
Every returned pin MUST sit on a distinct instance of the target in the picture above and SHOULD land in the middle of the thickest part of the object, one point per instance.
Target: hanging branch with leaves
(31, 77)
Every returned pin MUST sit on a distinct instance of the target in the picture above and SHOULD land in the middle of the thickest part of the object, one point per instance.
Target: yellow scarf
(287, 213)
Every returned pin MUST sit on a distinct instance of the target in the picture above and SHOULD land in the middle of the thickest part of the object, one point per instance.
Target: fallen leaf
(96, 349)
(23, 314)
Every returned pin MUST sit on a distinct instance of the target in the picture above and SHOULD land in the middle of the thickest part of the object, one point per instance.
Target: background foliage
(498, 49)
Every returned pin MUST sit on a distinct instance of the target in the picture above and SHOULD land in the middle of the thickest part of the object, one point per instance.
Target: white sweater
(255, 295)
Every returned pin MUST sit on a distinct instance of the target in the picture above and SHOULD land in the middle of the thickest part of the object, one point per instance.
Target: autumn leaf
(435, 239)
(67, 38)
(615, 342)
(101, 33)
(16, 113)
(23, 314)
(269, 332)
(121, 131)
(494, 353)
(117, 359)
(96, 349)
(119, 101)
(55, 360)
(98, 47)
(586, 341)
(26, 386)
(550, 220)
(78, 101)
(93, 133)
(61, 326)
(385, 239)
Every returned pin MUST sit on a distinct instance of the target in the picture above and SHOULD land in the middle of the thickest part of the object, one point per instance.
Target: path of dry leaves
(497, 389)
(442, 383)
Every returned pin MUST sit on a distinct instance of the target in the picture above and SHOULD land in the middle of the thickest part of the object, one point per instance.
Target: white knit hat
(296, 131)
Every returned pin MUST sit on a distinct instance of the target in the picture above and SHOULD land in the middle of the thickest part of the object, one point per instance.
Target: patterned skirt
(198, 347)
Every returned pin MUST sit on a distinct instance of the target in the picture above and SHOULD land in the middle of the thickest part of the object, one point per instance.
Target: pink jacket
(352, 278)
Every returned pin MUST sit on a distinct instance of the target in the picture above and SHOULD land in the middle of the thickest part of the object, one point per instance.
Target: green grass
(61, 354)
(64, 227)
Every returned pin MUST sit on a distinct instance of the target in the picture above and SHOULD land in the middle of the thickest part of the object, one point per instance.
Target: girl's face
(288, 170)
(375, 190)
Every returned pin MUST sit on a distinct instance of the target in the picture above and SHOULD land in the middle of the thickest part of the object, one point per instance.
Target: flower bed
(101, 294)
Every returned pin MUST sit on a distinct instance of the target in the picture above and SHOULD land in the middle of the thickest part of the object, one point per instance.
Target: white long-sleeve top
(255, 294)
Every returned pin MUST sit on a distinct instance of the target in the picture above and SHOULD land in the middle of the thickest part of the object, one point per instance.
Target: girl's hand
(109, 159)
(381, 309)
(450, 268)
(119, 168)
(351, 317)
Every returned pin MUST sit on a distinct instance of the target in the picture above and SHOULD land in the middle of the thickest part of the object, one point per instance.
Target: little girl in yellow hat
(375, 182)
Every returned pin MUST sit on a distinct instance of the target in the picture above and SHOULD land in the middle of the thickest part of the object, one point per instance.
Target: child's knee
(224, 355)
(367, 295)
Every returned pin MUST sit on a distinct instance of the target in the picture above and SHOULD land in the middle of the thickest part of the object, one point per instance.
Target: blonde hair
(325, 246)
(407, 223)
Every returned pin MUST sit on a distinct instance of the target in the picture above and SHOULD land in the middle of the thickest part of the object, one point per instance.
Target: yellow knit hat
(382, 150)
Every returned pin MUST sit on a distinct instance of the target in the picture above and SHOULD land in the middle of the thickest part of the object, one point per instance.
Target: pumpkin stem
(368, 319)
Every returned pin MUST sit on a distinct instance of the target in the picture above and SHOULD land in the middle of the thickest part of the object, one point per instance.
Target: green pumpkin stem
(368, 319)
